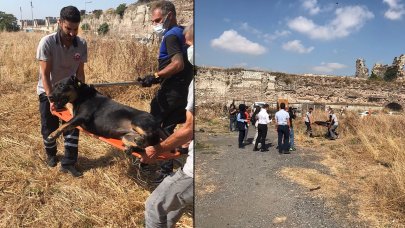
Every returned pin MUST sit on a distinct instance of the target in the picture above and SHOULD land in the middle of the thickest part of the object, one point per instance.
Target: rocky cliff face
(215, 85)
(135, 22)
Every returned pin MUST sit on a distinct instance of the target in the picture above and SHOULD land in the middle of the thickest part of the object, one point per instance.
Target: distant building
(49, 24)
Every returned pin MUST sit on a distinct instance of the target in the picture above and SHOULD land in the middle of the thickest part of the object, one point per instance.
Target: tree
(8, 22)
(391, 73)
(97, 13)
(121, 9)
(103, 29)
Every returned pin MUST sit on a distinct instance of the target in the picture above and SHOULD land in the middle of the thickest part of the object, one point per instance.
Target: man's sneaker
(52, 161)
(71, 169)
(264, 150)
(255, 149)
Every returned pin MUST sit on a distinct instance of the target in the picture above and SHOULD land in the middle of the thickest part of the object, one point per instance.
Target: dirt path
(241, 188)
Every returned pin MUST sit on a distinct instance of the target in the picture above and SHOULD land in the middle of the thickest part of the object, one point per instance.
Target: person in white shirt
(282, 127)
(334, 123)
(262, 121)
(308, 122)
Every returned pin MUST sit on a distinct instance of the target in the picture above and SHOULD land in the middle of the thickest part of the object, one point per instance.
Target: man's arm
(45, 70)
(181, 136)
(80, 72)
(176, 62)
(176, 65)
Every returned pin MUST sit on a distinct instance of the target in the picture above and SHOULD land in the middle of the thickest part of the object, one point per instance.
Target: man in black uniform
(174, 75)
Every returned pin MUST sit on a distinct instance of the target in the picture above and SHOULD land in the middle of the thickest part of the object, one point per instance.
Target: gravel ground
(241, 188)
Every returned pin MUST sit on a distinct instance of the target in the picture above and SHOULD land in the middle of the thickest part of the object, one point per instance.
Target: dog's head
(64, 91)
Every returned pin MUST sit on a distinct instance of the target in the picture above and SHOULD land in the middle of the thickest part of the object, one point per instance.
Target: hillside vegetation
(34, 195)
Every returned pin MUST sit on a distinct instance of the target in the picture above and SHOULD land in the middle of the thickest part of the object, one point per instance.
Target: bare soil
(242, 188)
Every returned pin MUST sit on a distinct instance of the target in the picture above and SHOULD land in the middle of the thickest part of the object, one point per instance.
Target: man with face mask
(174, 73)
(60, 55)
(169, 200)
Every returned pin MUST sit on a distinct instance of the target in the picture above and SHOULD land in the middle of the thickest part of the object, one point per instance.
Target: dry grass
(34, 195)
(366, 164)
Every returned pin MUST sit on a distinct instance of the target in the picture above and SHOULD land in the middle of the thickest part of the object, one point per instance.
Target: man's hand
(151, 154)
(51, 106)
(148, 80)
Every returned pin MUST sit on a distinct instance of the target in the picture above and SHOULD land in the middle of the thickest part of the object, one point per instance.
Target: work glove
(148, 80)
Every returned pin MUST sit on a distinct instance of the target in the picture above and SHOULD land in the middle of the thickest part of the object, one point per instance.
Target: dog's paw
(140, 141)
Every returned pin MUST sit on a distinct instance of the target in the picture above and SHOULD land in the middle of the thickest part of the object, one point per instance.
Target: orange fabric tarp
(66, 116)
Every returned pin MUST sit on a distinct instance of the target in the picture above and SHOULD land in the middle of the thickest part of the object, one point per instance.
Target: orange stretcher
(66, 116)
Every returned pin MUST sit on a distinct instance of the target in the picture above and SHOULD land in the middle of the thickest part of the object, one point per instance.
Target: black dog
(102, 116)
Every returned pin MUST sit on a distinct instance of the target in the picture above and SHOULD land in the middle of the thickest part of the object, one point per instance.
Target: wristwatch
(156, 75)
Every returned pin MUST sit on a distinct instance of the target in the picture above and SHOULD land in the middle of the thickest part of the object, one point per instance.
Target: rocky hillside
(135, 22)
(214, 85)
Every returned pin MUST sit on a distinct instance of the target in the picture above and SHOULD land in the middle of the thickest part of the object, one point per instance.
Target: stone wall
(214, 85)
(361, 69)
(397, 65)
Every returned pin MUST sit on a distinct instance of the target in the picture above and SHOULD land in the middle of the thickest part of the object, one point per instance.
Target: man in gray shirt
(60, 55)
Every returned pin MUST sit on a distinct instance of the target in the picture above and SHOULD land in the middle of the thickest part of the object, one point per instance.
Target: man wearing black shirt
(174, 75)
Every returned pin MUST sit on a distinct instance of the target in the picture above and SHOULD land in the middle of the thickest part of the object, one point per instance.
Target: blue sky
(51, 8)
(299, 36)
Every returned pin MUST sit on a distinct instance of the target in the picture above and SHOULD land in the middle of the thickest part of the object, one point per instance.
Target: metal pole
(32, 15)
(127, 83)
(21, 18)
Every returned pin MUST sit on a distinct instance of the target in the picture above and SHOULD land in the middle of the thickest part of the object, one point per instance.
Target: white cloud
(328, 67)
(261, 35)
(347, 20)
(277, 34)
(231, 41)
(311, 6)
(296, 46)
(245, 26)
(395, 11)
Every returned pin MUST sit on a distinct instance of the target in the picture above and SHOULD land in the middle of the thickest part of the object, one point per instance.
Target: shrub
(121, 9)
(85, 26)
(391, 74)
(103, 29)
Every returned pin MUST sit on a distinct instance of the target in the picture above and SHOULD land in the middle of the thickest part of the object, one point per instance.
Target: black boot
(71, 169)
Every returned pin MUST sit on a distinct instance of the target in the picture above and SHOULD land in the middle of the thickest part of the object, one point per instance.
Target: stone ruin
(361, 69)
(397, 66)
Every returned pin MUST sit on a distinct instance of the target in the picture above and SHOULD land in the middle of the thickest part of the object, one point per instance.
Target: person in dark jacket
(241, 124)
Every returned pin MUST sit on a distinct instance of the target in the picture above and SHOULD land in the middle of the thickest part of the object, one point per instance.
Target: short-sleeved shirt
(334, 120)
(282, 117)
(173, 43)
(263, 117)
(188, 167)
(307, 117)
(65, 61)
